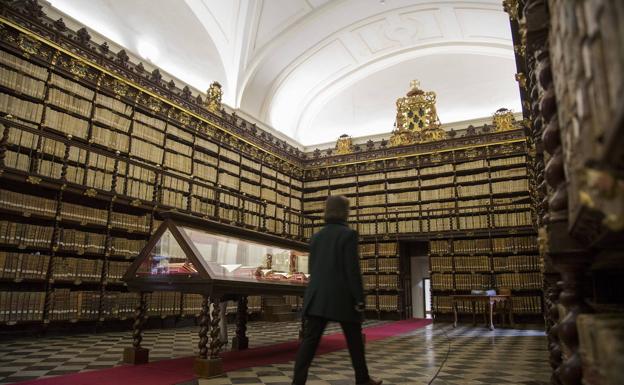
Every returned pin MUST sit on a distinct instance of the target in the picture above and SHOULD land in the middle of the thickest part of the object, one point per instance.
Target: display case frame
(202, 280)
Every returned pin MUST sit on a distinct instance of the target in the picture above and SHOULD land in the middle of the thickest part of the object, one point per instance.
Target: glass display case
(223, 257)
(222, 262)
(192, 255)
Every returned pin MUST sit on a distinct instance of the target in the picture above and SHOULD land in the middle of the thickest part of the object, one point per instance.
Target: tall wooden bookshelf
(471, 203)
(93, 148)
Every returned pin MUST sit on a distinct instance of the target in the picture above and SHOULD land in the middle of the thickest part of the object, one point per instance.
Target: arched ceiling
(315, 69)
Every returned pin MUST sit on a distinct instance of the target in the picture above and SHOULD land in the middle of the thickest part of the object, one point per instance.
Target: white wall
(420, 270)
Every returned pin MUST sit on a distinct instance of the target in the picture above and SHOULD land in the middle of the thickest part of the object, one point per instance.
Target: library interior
(165, 168)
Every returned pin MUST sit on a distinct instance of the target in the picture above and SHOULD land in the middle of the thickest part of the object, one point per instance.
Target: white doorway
(421, 290)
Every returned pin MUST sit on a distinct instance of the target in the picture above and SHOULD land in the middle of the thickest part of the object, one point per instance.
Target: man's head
(336, 208)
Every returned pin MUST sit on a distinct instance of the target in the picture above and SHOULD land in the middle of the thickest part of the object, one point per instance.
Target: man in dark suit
(335, 291)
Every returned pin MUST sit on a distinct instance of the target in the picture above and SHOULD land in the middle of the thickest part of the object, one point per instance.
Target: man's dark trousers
(312, 333)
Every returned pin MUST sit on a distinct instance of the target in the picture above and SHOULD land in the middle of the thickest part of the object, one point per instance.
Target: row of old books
(22, 83)
(477, 263)
(472, 281)
(113, 104)
(69, 102)
(111, 139)
(526, 304)
(368, 265)
(116, 270)
(78, 269)
(25, 235)
(519, 280)
(23, 66)
(66, 124)
(71, 86)
(442, 281)
(163, 303)
(441, 264)
(30, 112)
(517, 263)
(510, 186)
(387, 248)
(517, 219)
(112, 120)
(82, 242)
(74, 305)
(128, 248)
(27, 203)
(21, 306)
(388, 302)
(469, 246)
(370, 302)
(118, 305)
(514, 244)
(388, 265)
(17, 266)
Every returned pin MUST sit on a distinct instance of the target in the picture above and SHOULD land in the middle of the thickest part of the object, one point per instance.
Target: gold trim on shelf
(33, 179)
(315, 169)
(90, 193)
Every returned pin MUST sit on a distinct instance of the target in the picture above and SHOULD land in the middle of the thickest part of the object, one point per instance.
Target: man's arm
(352, 267)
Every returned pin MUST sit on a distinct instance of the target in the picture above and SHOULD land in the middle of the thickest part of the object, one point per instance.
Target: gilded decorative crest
(184, 118)
(503, 120)
(119, 88)
(416, 119)
(344, 145)
(28, 45)
(213, 99)
(77, 68)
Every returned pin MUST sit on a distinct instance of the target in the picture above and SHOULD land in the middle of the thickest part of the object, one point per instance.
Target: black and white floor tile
(477, 356)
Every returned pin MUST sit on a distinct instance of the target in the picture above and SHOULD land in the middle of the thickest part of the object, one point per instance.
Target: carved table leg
(491, 309)
(240, 341)
(454, 314)
(208, 364)
(136, 355)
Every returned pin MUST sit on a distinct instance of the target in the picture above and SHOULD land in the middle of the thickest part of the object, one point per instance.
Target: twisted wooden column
(215, 340)
(140, 316)
(204, 327)
(573, 273)
(136, 354)
(552, 330)
(209, 364)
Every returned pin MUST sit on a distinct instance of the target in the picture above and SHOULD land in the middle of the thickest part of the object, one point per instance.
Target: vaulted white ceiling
(315, 69)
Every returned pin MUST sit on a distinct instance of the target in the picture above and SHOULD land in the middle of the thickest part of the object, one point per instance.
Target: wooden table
(490, 300)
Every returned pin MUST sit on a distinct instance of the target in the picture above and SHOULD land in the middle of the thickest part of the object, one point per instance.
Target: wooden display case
(219, 262)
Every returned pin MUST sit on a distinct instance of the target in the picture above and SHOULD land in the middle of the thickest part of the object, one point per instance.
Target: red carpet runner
(168, 372)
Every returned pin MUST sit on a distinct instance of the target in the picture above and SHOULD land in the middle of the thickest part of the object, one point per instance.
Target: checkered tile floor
(478, 356)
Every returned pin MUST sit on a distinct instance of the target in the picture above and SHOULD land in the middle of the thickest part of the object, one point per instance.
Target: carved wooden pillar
(241, 341)
(136, 354)
(567, 256)
(215, 330)
(208, 363)
(204, 326)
